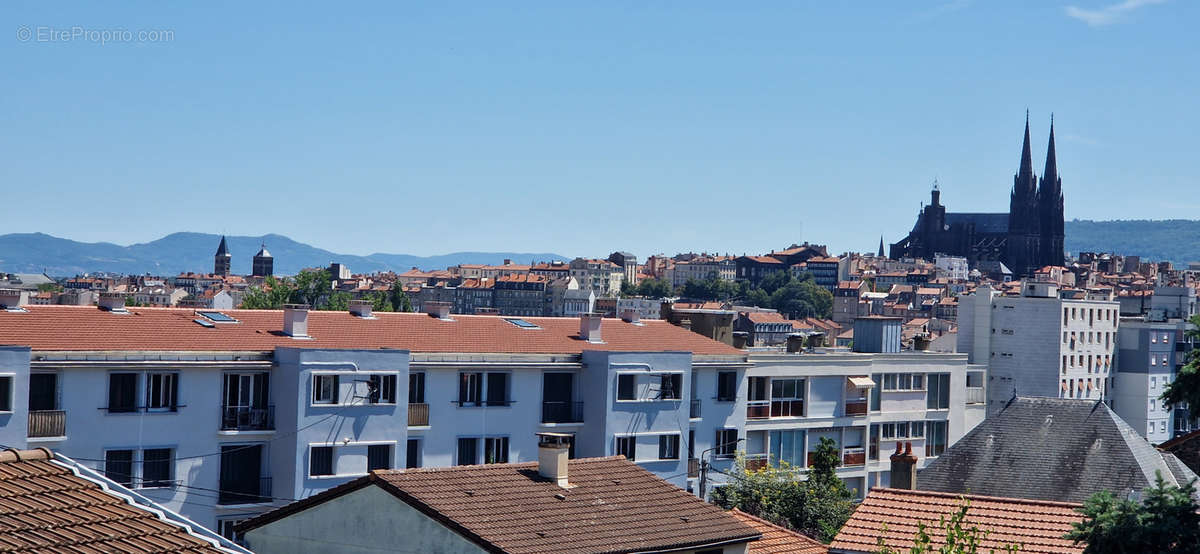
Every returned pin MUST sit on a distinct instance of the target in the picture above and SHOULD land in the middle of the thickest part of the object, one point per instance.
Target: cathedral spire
(880, 246)
(1026, 154)
(222, 249)
(1050, 175)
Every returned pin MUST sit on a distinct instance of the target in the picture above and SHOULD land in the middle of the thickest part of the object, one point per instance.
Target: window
(1162, 426)
(6, 393)
(670, 386)
(412, 454)
(162, 389)
(627, 387)
(726, 443)
(497, 389)
(225, 529)
(118, 466)
(470, 389)
(122, 392)
(935, 441)
(758, 389)
(787, 447)
(325, 389)
(625, 446)
(938, 397)
(156, 467)
(495, 450)
(726, 386)
(876, 398)
(468, 451)
(668, 447)
(381, 389)
(416, 388)
(379, 456)
(903, 381)
(918, 381)
(320, 460)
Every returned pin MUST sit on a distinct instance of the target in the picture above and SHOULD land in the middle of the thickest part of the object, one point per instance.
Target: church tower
(1050, 204)
(264, 264)
(1024, 217)
(223, 259)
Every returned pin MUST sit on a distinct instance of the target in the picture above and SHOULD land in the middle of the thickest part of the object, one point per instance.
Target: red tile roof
(613, 505)
(166, 329)
(778, 540)
(46, 507)
(1036, 525)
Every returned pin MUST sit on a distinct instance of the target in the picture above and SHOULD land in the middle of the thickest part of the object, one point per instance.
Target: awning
(861, 382)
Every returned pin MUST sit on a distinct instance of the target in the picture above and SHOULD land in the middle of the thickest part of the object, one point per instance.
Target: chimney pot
(361, 308)
(295, 320)
(630, 316)
(904, 468)
(553, 449)
(589, 327)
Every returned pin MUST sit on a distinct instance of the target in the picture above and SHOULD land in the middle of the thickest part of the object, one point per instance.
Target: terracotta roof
(763, 259)
(46, 507)
(778, 540)
(613, 505)
(1037, 525)
(166, 329)
(768, 317)
(824, 259)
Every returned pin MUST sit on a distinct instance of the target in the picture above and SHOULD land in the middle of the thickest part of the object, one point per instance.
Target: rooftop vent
(631, 316)
(589, 327)
(295, 320)
(112, 302)
(440, 310)
(361, 308)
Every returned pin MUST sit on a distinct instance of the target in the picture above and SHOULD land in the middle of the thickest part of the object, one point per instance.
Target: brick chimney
(630, 315)
(589, 327)
(553, 449)
(295, 320)
(904, 468)
(361, 308)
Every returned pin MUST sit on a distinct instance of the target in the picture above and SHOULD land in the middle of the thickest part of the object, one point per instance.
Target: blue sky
(580, 128)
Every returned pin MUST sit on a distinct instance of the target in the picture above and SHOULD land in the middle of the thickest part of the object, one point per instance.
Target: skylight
(217, 317)
(521, 323)
(203, 323)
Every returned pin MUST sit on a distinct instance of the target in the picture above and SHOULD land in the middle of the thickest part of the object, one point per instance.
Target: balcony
(787, 408)
(856, 407)
(418, 415)
(755, 462)
(245, 491)
(758, 409)
(975, 395)
(562, 412)
(693, 468)
(47, 423)
(694, 410)
(854, 456)
(247, 418)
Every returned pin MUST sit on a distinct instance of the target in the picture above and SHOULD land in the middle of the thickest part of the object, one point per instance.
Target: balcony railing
(856, 407)
(694, 409)
(755, 462)
(975, 395)
(562, 412)
(693, 468)
(47, 423)
(758, 409)
(787, 408)
(247, 418)
(245, 492)
(854, 456)
(418, 415)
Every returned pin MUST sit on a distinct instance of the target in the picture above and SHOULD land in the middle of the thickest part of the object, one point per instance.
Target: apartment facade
(1150, 355)
(1040, 344)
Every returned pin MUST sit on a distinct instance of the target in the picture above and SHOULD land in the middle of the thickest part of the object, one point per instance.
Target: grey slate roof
(1051, 449)
(984, 223)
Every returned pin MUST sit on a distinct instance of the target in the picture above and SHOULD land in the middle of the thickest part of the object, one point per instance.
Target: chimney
(295, 320)
(440, 310)
(631, 316)
(904, 468)
(507, 261)
(686, 323)
(552, 457)
(361, 308)
(740, 338)
(589, 327)
(10, 299)
(112, 301)
(921, 342)
(795, 343)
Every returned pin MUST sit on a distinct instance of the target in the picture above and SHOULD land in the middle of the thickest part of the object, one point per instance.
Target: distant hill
(180, 252)
(1175, 240)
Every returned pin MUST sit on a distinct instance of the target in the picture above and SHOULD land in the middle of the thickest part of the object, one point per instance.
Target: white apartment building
(953, 267)
(701, 268)
(1038, 343)
(1148, 359)
(601, 276)
(865, 401)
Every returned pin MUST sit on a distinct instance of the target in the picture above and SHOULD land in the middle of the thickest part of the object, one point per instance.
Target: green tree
(774, 281)
(803, 298)
(336, 302)
(1165, 522)
(310, 286)
(379, 301)
(49, 287)
(655, 288)
(959, 537)
(131, 301)
(1186, 385)
(399, 299)
(817, 506)
(272, 295)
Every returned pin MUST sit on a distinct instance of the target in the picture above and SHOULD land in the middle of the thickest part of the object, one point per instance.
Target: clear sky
(584, 128)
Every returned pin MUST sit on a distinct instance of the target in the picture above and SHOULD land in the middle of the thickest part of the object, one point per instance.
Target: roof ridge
(968, 496)
(15, 455)
(776, 526)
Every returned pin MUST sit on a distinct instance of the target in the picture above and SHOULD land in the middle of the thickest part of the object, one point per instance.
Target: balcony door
(241, 475)
(557, 391)
(43, 392)
(246, 390)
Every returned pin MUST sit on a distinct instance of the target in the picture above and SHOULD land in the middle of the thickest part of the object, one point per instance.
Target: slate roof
(1051, 449)
(778, 540)
(613, 505)
(87, 328)
(1037, 526)
(46, 507)
(984, 223)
